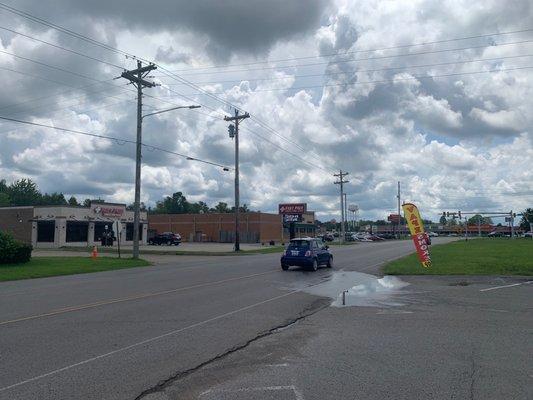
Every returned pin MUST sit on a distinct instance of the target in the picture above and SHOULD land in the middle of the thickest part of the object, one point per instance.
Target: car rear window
(299, 244)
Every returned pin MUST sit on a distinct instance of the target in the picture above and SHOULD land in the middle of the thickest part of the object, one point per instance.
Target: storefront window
(77, 231)
(99, 229)
(46, 231)
(129, 231)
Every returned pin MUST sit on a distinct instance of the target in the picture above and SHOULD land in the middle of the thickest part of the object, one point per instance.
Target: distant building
(306, 227)
(255, 227)
(63, 226)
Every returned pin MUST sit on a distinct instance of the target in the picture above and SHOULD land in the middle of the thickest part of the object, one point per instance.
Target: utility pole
(234, 133)
(512, 224)
(346, 213)
(399, 213)
(136, 77)
(341, 182)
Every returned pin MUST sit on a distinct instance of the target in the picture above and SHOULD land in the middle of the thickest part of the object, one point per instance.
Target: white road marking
(153, 339)
(505, 286)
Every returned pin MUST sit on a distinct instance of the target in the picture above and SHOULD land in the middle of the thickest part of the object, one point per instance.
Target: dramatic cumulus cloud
(450, 120)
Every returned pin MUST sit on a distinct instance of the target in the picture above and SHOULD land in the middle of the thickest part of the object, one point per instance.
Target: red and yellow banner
(420, 238)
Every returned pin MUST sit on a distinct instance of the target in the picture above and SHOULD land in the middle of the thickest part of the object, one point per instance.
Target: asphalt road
(213, 328)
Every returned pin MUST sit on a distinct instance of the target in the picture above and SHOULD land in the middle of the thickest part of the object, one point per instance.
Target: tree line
(24, 192)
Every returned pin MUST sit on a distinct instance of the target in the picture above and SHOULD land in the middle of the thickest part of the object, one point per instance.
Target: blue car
(308, 253)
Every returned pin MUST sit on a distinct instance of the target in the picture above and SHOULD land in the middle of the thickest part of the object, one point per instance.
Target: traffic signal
(231, 131)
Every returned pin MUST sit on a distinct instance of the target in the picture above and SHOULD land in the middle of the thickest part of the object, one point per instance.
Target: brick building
(255, 227)
(63, 226)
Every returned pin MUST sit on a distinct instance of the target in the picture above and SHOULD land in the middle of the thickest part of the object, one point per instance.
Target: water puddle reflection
(360, 289)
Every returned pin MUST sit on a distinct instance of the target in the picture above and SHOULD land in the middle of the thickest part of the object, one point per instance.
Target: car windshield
(299, 244)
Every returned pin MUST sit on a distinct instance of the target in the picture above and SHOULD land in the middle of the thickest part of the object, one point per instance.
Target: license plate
(294, 252)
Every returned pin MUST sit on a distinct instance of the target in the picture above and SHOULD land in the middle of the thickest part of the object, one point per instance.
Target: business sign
(292, 217)
(293, 208)
(106, 210)
(416, 228)
(393, 218)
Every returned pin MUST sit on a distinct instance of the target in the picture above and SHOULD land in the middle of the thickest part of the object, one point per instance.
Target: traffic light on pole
(231, 131)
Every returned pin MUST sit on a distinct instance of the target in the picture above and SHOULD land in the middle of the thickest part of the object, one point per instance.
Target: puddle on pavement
(362, 290)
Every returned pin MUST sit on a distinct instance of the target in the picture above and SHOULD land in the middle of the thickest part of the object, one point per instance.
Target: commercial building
(255, 227)
(306, 227)
(63, 226)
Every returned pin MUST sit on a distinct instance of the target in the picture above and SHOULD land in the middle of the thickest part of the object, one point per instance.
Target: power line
(60, 47)
(359, 71)
(116, 139)
(62, 29)
(359, 51)
(361, 59)
(97, 43)
(389, 80)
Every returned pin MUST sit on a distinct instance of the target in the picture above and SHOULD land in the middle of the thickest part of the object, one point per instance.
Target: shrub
(12, 251)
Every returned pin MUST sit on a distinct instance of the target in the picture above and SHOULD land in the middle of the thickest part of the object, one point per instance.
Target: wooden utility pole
(234, 133)
(341, 182)
(136, 77)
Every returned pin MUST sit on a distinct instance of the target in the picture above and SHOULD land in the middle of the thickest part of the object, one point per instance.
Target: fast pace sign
(292, 208)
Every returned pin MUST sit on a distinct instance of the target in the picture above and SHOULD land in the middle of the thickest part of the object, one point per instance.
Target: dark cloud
(250, 26)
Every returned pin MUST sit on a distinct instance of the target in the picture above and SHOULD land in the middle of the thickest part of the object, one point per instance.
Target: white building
(63, 226)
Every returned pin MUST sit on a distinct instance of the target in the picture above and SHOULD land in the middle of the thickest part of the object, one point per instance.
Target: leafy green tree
(131, 207)
(527, 217)
(5, 201)
(198, 208)
(221, 207)
(53, 199)
(86, 203)
(175, 204)
(442, 220)
(72, 201)
(478, 218)
(24, 192)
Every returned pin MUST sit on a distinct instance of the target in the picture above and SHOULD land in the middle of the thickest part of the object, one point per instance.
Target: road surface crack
(472, 375)
(313, 308)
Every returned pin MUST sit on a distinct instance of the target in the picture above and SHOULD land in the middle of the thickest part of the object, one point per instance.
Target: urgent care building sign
(108, 210)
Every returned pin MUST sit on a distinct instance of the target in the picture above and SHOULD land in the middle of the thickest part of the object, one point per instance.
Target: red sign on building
(393, 218)
(106, 210)
(293, 208)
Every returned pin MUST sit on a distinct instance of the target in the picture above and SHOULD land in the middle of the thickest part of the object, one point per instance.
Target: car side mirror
(326, 247)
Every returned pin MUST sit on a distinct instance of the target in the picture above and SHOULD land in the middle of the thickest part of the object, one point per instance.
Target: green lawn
(475, 257)
(40, 267)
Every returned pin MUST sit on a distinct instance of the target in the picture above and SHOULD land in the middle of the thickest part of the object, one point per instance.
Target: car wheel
(284, 267)
(330, 262)
(169, 243)
(150, 242)
(314, 267)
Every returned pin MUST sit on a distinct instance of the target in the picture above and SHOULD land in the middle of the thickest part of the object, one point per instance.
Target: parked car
(328, 237)
(387, 235)
(528, 235)
(433, 234)
(307, 253)
(496, 234)
(375, 238)
(167, 238)
(349, 237)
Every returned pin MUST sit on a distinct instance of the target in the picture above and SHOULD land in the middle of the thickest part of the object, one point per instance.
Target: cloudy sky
(435, 94)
